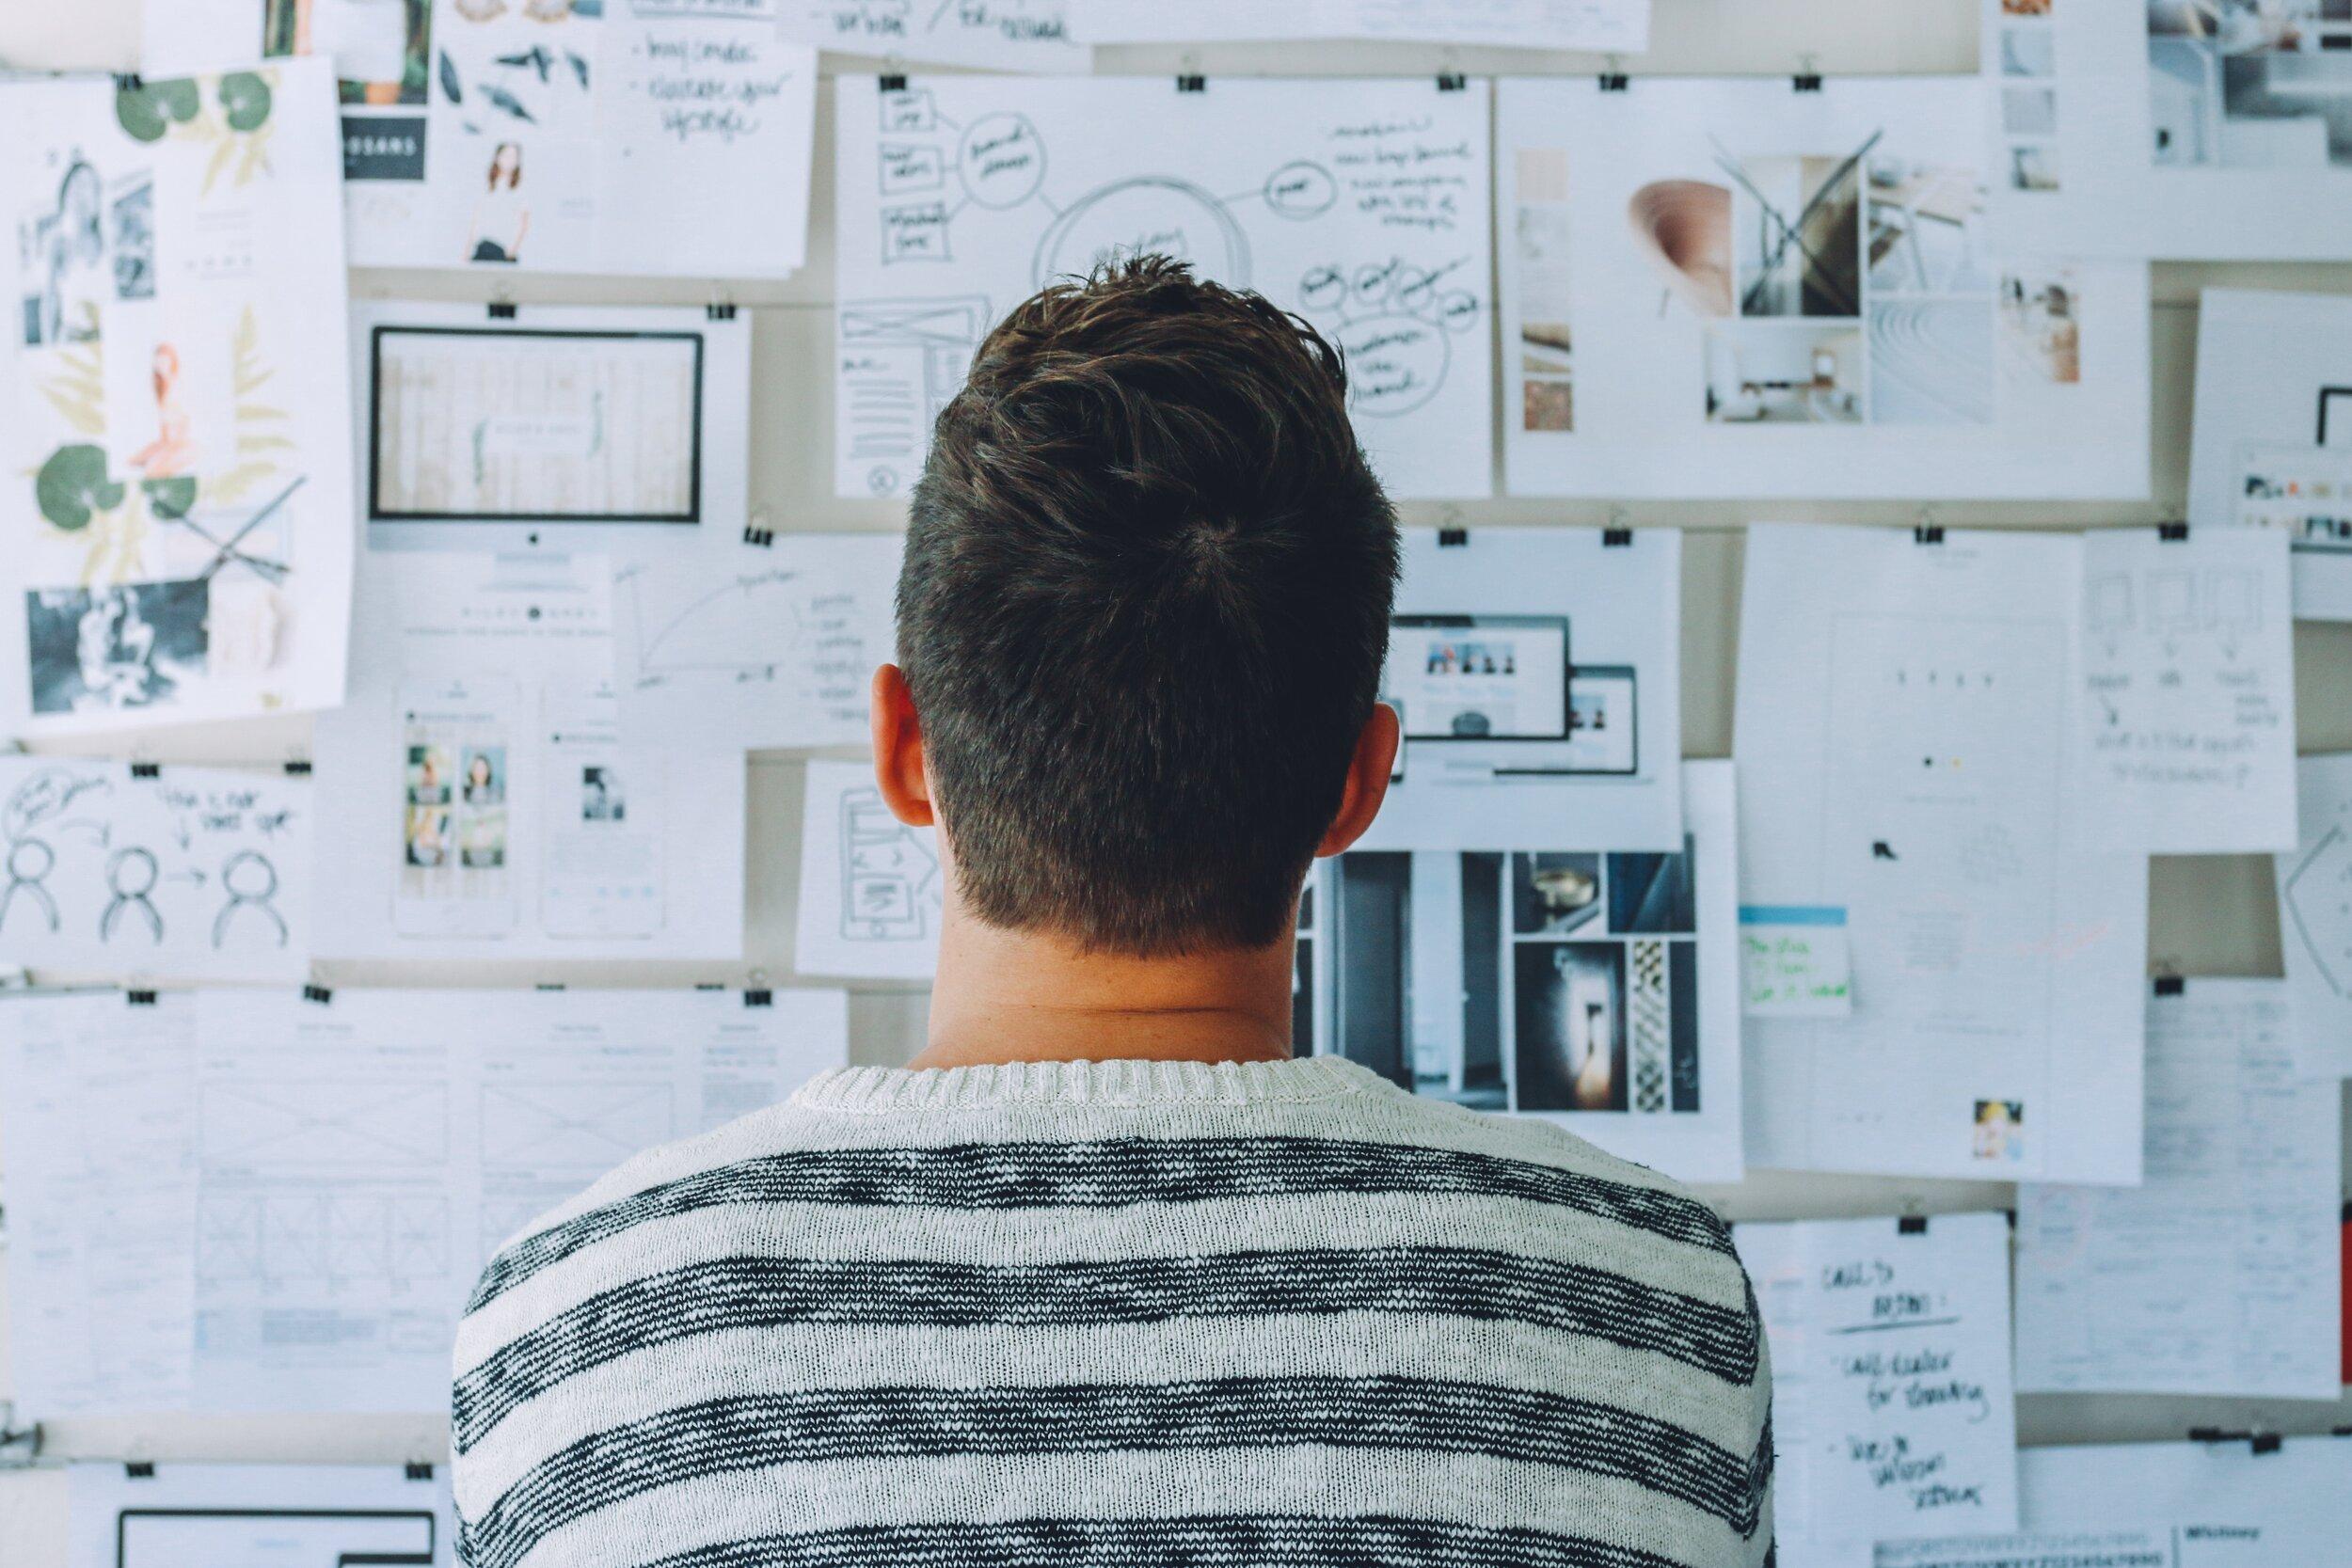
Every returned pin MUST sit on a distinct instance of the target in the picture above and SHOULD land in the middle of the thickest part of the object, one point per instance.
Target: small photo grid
(2303, 492)
(1546, 357)
(1847, 286)
(1551, 982)
(2026, 48)
(454, 817)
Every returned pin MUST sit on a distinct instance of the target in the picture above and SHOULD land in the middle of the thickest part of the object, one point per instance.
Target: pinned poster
(1893, 1413)
(2189, 675)
(1907, 724)
(1795, 961)
(1722, 287)
(2315, 917)
(2218, 1273)
(178, 873)
(990, 35)
(1363, 205)
(175, 538)
(2272, 447)
(176, 1515)
(1622, 25)
(871, 887)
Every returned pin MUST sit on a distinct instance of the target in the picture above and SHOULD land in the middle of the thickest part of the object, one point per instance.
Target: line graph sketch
(342, 1123)
(1363, 206)
(591, 1126)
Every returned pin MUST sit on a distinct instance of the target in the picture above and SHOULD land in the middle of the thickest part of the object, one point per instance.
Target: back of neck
(1022, 996)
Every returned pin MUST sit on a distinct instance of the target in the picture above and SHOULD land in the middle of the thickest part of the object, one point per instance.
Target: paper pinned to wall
(721, 639)
(2224, 1504)
(1622, 25)
(1893, 1412)
(100, 1159)
(994, 35)
(183, 873)
(1361, 204)
(1783, 293)
(2189, 132)
(181, 1515)
(480, 798)
(2188, 672)
(1537, 676)
(176, 432)
(2315, 917)
(2272, 446)
(871, 887)
(2218, 1275)
(1594, 987)
(1907, 722)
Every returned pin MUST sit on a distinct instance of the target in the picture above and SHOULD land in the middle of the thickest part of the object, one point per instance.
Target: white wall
(2211, 916)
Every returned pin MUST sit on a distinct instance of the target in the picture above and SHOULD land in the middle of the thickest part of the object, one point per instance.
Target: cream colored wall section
(2211, 916)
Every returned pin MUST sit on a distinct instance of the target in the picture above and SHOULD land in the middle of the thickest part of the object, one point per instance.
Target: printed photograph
(1800, 225)
(1547, 354)
(1932, 362)
(1570, 1036)
(2028, 52)
(2029, 111)
(1553, 894)
(1652, 893)
(1417, 974)
(432, 774)
(601, 798)
(65, 271)
(380, 47)
(130, 645)
(1926, 227)
(2001, 1131)
(2033, 167)
(2040, 328)
(2251, 84)
(1783, 372)
(426, 836)
(481, 808)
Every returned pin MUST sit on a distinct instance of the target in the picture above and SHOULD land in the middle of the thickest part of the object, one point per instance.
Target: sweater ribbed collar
(869, 1089)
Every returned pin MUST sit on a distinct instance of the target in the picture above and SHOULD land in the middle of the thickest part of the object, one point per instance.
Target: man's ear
(1367, 785)
(906, 788)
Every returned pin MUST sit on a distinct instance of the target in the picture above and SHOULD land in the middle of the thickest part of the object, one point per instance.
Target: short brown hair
(1144, 611)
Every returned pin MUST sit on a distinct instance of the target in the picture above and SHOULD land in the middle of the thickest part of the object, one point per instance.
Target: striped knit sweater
(1116, 1315)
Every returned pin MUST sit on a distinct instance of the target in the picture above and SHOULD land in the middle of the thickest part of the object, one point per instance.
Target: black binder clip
(2172, 985)
(502, 309)
(138, 998)
(1616, 538)
(418, 1469)
(140, 1469)
(721, 313)
(298, 767)
(759, 999)
(1453, 538)
(1614, 81)
(1807, 81)
(549, 984)
(18, 1446)
(1928, 533)
(763, 537)
(146, 769)
(321, 996)
(2172, 534)
(2266, 1442)
(1451, 81)
(894, 84)
(129, 81)
(1912, 1224)
(1192, 83)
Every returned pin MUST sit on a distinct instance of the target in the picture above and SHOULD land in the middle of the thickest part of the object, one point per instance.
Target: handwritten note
(1795, 961)
(178, 873)
(2188, 709)
(1892, 1404)
(999, 34)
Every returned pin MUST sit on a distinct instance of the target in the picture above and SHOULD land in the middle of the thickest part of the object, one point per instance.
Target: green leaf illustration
(244, 100)
(73, 484)
(138, 113)
(171, 498)
(177, 99)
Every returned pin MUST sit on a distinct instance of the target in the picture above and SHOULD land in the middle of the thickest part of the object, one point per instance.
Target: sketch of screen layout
(902, 361)
(1543, 982)
(578, 430)
(2304, 492)
(1500, 698)
(299, 1538)
(889, 877)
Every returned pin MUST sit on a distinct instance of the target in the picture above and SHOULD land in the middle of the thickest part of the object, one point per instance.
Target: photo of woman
(502, 217)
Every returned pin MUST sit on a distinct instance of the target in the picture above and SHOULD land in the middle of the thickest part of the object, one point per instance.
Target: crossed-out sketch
(591, 1126)
(252, 1237)
(333, 1125)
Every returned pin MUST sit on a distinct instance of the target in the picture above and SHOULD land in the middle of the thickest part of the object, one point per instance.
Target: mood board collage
(505, 562)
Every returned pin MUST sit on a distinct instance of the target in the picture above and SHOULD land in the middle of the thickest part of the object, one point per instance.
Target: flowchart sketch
(871, 887)
(1361, 205)
(2315, 917)
(759, 640)
(990, 35)
(158, 873)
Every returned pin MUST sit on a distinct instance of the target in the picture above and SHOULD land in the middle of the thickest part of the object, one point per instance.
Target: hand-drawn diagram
(2315, 900)
(1362, 206)
(154, 871)
(249, 1239)
(753, 644)
(333, 1124)
(872, 889)
(591, 1126)
(889, 877)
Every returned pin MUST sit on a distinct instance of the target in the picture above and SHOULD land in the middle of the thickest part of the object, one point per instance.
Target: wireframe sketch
(2250, 83)
(325, 1123)
(250, 882)
(132, 873)
(890, 879)
(547, 426)
(1359, 205)
(39, 807)
(589, 1125)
